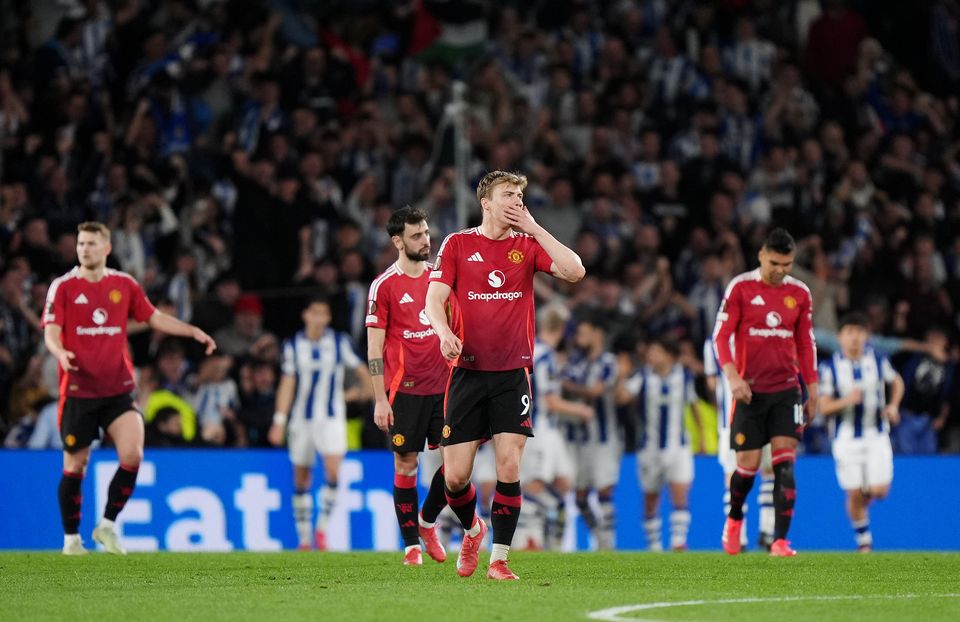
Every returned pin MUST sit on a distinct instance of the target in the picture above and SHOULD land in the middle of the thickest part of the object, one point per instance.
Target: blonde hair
(94, 227)
(494, 178)
(553, 317)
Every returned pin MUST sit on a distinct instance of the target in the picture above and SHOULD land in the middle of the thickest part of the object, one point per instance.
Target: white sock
(303, 517)
(500, 552)
(424, 523)
(70, 538)
(652, 527)
(679, 525)
(406, 549)
(109, 524)
(474, 531)
(328, 498)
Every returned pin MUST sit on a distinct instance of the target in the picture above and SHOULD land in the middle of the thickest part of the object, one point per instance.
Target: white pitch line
(613, 613)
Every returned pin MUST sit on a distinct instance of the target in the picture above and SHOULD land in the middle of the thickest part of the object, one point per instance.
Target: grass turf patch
(374, 586)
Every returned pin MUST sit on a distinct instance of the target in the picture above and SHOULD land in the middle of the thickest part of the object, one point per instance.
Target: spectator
(237, 338)
(929, 378)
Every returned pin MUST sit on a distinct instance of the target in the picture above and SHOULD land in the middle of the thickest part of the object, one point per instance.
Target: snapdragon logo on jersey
(99, 317)
(495, 279)
(420, 334)
(773, 320)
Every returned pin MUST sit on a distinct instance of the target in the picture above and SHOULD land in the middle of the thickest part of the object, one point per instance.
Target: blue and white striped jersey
(319, 368)
(212, 397)
(544, 381)
(661, 403)
(603, 428)
(723, 395)
(839, 376)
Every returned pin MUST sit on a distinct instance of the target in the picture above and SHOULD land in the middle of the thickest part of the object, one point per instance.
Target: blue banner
(223, 500)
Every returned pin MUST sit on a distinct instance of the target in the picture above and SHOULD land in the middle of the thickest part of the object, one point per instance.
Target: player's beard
(415, 255)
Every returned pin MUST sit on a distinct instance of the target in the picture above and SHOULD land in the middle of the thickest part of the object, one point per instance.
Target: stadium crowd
(247, 155)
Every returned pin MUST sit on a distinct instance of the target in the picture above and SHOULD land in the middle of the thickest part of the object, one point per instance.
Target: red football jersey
(492, 281)
(411, 352)
(772, 329)
(93, 318)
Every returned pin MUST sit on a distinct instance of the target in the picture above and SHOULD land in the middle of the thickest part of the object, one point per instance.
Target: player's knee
(879, 492)
(130, 456)
(454, 480)
(508, 470)
(76, 463)
(405, 464)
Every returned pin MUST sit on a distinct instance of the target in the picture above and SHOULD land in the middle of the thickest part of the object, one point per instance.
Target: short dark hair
(779, 241)
(855, 318)
(670, 345)
(404, 216)
(592, 318)
(317, 299)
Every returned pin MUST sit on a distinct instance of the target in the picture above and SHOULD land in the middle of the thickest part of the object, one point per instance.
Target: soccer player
(665, 389)
(727, 457)
(85, 328)
(547, 469)
(490, 269)
(409, 377)
(596, 445)
(768, 314)
(312, 396)
(853, 384)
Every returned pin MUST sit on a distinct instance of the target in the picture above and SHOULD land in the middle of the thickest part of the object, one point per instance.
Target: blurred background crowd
(247, 154)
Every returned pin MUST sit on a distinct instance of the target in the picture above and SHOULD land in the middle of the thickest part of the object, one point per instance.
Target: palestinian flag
(448, 31)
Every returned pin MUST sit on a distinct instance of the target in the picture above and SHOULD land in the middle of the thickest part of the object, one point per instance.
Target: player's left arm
(807, 354)
(172, 326)
(566, 264)
(363, 390)
(694, 401)
(892, 410)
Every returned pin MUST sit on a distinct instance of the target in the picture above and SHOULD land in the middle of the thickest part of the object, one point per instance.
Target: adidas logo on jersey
(475, 257)
(406, 298)
(757, 300)
(81, 300)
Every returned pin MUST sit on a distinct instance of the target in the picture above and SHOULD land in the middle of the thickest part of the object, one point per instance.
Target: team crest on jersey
(446, 431)
(398, 440)
(790, 302)
(115, 296)
(740, 438)
(515, 256)
(71, 440)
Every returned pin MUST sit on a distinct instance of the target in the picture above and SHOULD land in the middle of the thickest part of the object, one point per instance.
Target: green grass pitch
(553, 587)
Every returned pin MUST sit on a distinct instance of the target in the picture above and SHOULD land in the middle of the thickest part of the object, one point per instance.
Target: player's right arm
(382, 410)
(568, 408)
(442, 280)
(285, 390)
(437, 295)
(52, 338)
(728, 320)
(53, 314)
(830, 403)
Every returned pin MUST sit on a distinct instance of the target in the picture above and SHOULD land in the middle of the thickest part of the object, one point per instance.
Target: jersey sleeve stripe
(52, 292)
(112, 272)
(375, 286)
(789, 280)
